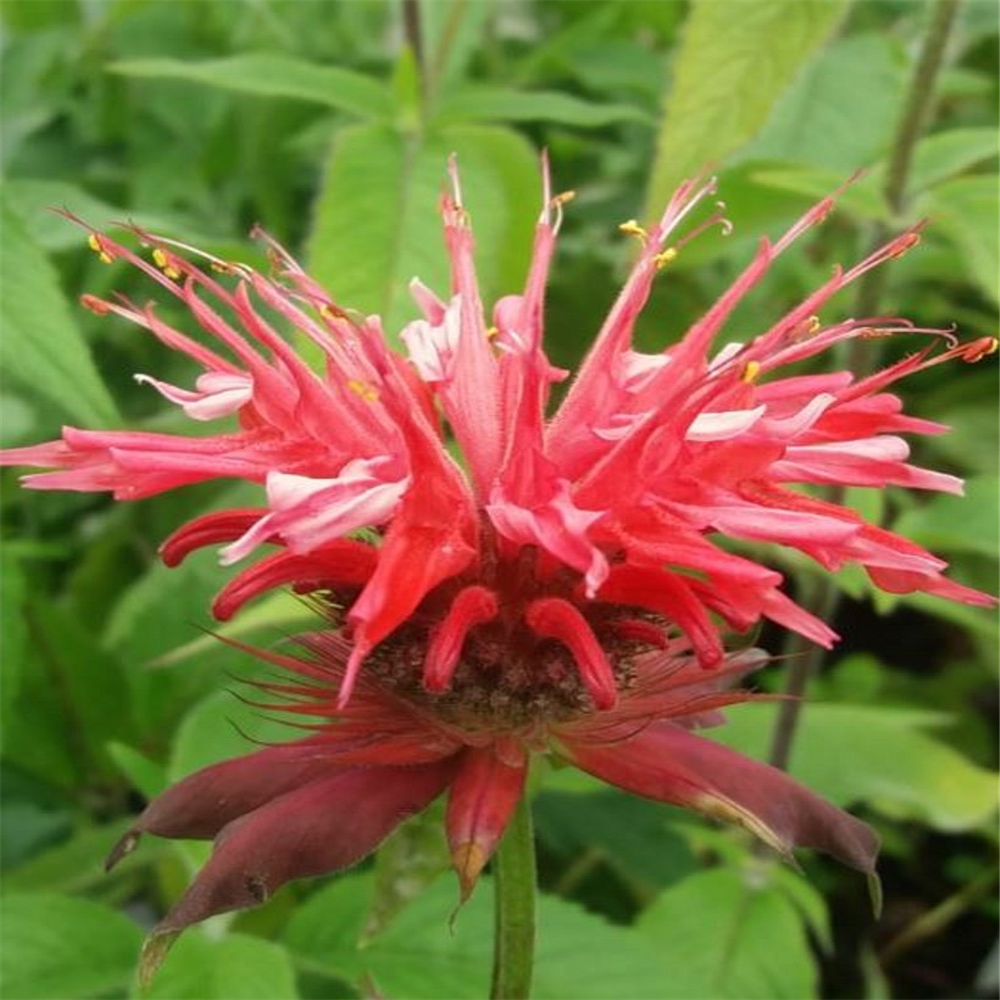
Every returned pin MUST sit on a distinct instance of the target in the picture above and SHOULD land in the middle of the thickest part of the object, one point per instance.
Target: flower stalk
(821, 596)
(514, 908)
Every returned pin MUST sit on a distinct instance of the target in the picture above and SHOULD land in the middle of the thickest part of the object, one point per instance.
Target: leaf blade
(722, 90)
(42, 347)
(270, 75)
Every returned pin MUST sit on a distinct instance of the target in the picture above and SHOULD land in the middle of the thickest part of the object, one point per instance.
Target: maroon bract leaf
(483, 797)
(670, 764)
(200, 805)
(321, 827)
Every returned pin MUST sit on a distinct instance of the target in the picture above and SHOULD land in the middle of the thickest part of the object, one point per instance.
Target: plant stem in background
(821, 595)
(916, 115)
(415, 40)
(934, 921)
(514, 927)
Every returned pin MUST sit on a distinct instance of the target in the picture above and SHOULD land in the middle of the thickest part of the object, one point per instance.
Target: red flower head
(559, 589)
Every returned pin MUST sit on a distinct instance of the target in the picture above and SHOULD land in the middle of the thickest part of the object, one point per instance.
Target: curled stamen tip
(905, 242)
(980, 349)
(97, 306)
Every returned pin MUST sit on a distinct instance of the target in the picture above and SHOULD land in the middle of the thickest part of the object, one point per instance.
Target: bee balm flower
(560, 588)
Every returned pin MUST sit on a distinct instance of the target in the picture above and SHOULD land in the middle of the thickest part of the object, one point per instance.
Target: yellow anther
(95, 244)
(632, 228)
(366, 392)
(664, 257)
(492, 333)
(165, 264)
(750, 372)
(564, 198)
(806, 328)
(220, 267)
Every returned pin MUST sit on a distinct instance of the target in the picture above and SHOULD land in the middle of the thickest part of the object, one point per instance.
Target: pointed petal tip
(154, 951)
(125, 846)
(469, 860)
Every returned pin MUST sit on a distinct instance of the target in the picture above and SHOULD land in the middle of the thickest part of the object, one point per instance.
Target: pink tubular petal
(667, 594)
(721, 426)
(308, 513)
(217, 394)
(481, 801)
(669, 764)
(553, 521)
(782, 609)
(344, 563)
(554, 618)
(209, 529)
(472, 398)
(320, 827)
(472, 606)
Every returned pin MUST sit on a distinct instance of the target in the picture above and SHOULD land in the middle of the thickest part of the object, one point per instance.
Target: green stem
(822, 597)
(916, 114)
(934, 921)
(415, 40)
(514, 929)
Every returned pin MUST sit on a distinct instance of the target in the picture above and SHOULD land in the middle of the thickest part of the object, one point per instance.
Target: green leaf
(480, 103)
(841, 111)
(936, 158)
(13, 630)
(733, 62)
(618, 827)
(271, 75)
(33, 199)
(418, 955)
(863, 198)
(973, 442)
(77, 864)
(730, 934)
(377, 223)
(85, 703)
(945, 154)
(41, 348)
(56, 947)
(966, 209)
(237, 967)
(881, 756)
(947, 523)
(146, 775)
(163, 609)
(278, 612)
(220, 727)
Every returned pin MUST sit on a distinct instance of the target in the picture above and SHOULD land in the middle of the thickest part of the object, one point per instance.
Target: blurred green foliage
(315, 119)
